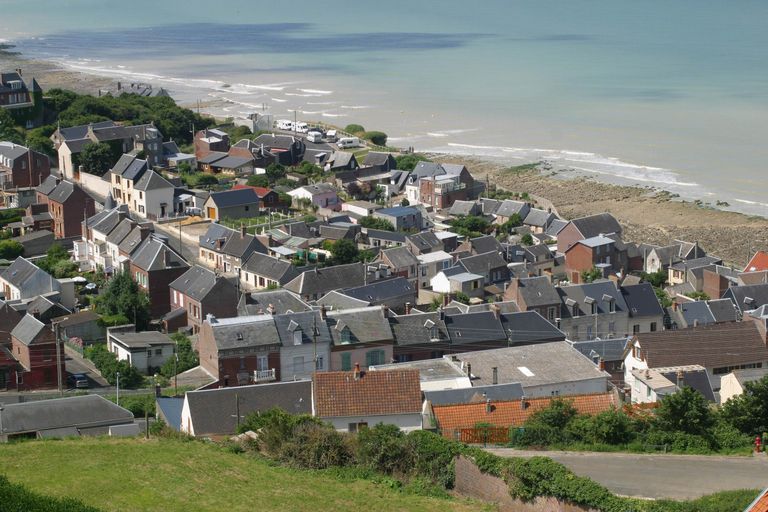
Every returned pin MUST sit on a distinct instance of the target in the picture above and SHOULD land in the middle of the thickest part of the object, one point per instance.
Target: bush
(383, 448)
(275, 427)
(316, 446)
(354, 129)
(17, 498)
(378, 138)
(433, 457)
(10, 249)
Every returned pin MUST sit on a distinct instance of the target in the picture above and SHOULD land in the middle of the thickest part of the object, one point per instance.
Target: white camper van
(349, 142)
(302, 127)
(284, 124)
(315, 137)
(330, 136)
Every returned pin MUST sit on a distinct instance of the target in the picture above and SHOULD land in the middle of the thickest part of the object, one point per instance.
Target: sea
(671, 94)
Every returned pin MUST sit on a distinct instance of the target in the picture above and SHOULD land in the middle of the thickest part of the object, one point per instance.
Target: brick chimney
(407, 308)
(385, 310)
(357, 373)
(243, 230)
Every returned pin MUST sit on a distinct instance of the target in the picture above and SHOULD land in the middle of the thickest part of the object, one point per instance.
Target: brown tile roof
(374, 393)
(711, 346)
(511, 413)
(760, 504)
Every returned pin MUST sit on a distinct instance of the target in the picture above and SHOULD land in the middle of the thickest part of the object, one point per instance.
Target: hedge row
(16, 498)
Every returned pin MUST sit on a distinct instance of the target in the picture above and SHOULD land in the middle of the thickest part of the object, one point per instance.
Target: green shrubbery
(17, 498)
(108, 365)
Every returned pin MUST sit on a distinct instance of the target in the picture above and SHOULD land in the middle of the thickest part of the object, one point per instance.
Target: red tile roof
(260, 191)
(512, 413)
(373, 394)
(758, 262)
(760, 504)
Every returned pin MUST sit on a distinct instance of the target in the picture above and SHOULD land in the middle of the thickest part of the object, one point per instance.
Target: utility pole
(117, 388)
(237, 409)
(58, 358)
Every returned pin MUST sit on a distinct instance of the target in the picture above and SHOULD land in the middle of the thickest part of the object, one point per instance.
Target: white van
(315, 137)
(302, 127)
(284, 124)
(349, 142)
(330, 136)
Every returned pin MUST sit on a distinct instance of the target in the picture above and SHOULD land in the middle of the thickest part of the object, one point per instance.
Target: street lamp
(117, 388)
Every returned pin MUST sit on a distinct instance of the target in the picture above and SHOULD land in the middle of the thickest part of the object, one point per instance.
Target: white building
(147, 351)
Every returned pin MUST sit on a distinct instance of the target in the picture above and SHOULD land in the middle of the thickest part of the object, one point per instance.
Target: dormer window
(297, 338)
(346, 336)
(239, 336)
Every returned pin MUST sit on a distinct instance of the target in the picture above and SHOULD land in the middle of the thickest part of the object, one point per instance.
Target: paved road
(75, 363)
(660, 476)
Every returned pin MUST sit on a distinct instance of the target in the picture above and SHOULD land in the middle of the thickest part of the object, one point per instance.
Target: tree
(527, 239)
(97, 158)
(593, 274)
(187, 358)
(461, 297)
(748, 412)
(184, 168)
(664, 299)
(8, 130)
(514, 221)
(258, 180)
(685, 411)
(275, 172)
(123, 296)
(378, 138)
(344, 251)
(55, 254)
(697, 295)
(471, 226)
(408, 162)
(376, 223)
(657, 279)
(405, 202)
(10, 249)
(354, 129)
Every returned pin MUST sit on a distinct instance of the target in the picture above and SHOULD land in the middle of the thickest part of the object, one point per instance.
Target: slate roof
(27, 329)
(130, 167)
(281, 271)
(463, 208)
(152, 255)
(477, 327)
(48, 184)
(282, 301)
(400, 257)
(271, 140)
(418, 328)
(426, 241)
(749, 374)
(196, 283)
(212, 157)
(696, 263)
(722, 310)
(611, 349)
(122, 230)
(390, 236)
(320, 281)
(641, 300)
(336, 300)
(477, 394)
(81, 412)
(235, 197)
(377, 393)
(365, 325)
(80, 132)
(555, 227)
(598, 291)
(170, 410)
(508, 207)
(538, 218)
(244, 331)
(213, 411)
(152, 181)
(482, 263)
(232, 162)
(510, 413)
(131, 242)
(593, 225)
(63, 191)
(489, 206)
(381, 290)
(213, 233)
(20, 271)
(378, 158)
(46, 308)
(748, 297)
(483, 244)
(693, 313)
(144, 339)
(546, 363)
(538, 291)
(242, 246)
(529, 327)
(305, 322)
(712, 346)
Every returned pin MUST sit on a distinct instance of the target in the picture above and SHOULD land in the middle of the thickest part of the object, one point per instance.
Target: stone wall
(470, 481)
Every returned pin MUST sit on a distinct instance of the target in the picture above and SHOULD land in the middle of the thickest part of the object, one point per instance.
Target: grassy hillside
(171, 475)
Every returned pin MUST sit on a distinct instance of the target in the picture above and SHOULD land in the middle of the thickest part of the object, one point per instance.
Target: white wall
(406, 422)
(306, 350)
(729, 387)
(579, 387)
(449, 383)
(94, 184)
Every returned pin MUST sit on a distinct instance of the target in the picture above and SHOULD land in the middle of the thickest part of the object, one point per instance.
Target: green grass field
(171, 475)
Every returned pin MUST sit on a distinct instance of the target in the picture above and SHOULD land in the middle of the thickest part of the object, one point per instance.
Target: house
(200, 292)
(600, 252)
(507, 208)
(210, 140)
(43, 307)
(306, 344)
(25, 280)
(219, 411)
(154, 266)
(538, 220)
(744, 298)
(544, 369)
(528, 327)
(403, 218)
(400, 261)
(34, 346)
(360, 208)
(700, 345)
(35, 243)
(645, 312)
(147, 351)
(124, 176)
(419, 336)
(396, 293)
(351, 401)
(734, 383)
(424, 243)
(261, 271)
(313, 284)
(435, 375)
(274, 302)
(490, 265)
(225, 249)
(594, 310)
(22, 97)
(153, 197)
(452, 419)
(535, 294)
(9, 317)
(480, 245)
(685, 271)
(241, 350)
(606, 354)
(384, 161)
(342, 161)
(87, 415)
(322, 195)
(288, 150)
(465, 209)
(84, 326)
(67, 204)
(268, 198)
(360, 335)
(70, 142)
(587, 227)
(430, 264)
(693, 313)
(381, 238)
(232, 204)
(21, 166)
(439, 185)
(652, 385)
(758, 262)
(477, 394)
(457, 280)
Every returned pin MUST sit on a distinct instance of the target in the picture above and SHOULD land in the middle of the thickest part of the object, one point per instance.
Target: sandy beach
(648, 215)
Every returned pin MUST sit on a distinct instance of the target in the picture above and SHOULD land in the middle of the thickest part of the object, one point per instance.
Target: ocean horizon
(669, 94)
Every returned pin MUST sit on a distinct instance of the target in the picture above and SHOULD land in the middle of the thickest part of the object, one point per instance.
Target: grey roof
(144, 339)
(641, 300)
(122, 230)
(85, 411)
(244, 331)
(597, 291)
(596, 241)
(430, 370)
(593, 225)
(109, 221)
(198, 282)
(364, 325)
(483, 244)
(426, 240)
(212, 157)
(242, 246)
(80, 132)
(611, 349)
(463, 208)
(397, 211)
(152, 181)
(131, 242)
(336, 300)
(748, 297)
(418, 328)
(695, 313)
(48, 184)
(47, 307)
(538, 218)
(319, 188)
(213, 411)
(391, 236)
(271, 140)
(341, 159)
(556, 226)
(750, 374)
(235, 197)
(722, 310)
(304, 322)
(696, 263)
(546, 363)
(508, 391)
(27, 329)
(20, 271)
(214, 233)
(529, 327)
(482, 263)
(170, 409)
(478, 327)
(281, 271)
(130, 167)
(378, 158)
(538, 291)
(489, 206)
(320, 281)
(400, 257)
(508, 207)
(232, 162)
(153, 255)
(380, 291)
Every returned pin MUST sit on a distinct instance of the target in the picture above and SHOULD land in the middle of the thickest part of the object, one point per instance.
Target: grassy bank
(172, 475)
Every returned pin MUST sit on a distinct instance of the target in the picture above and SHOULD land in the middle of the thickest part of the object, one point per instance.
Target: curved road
(660, 476)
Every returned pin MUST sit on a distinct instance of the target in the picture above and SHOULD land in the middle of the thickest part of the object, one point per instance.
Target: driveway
(75, 363)
(660, 476)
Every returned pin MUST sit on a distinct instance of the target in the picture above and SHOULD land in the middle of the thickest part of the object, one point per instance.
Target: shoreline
(649, 214)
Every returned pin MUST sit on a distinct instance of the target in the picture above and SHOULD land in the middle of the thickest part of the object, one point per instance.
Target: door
(211, 213)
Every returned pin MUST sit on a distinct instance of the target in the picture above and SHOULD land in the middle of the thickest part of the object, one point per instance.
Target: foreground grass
(172, 475)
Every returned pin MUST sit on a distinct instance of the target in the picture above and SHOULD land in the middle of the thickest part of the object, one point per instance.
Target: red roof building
(758, 263)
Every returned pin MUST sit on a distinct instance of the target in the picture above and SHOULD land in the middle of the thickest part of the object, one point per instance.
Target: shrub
(611, 427)
(354, 129)
(432, 456)
(316, 446)
(378, 138)
(10, 249)
(17, 498)
(383, 448)
(275, 427)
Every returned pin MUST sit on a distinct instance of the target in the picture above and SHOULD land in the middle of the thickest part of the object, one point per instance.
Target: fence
(483, 435)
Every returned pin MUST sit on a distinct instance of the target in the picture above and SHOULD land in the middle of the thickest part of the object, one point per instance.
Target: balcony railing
(264, 375)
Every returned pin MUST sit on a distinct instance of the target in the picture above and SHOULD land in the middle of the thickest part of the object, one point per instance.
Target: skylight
(525, 371)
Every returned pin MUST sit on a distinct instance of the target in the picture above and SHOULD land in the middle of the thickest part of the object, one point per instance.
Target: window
(403, 358)
(611, 328)
(648, 391)
(589, 332)
(636, 329)
(551, 314)
(575, 310)
(374, 357)
(611, 306)
(346, 336)
(319, 364)
(653, 326)
(594, 308)
(346, 362)
(356, 427)
(149, 353)
(158, 351)
(246, 208)
(423, 271)
(475, 284)
(297, 337)
(262, 363)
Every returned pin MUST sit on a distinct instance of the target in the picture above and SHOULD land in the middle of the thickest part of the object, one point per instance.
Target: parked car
(330, 136)
(78, 381)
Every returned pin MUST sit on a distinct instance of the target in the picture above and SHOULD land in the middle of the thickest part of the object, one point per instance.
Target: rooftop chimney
(523, 405)
(495, 310)
(357, 371)
(601, 364)
(271, 309)
(323, 312)
(243, 230)
(495, 375)
(487, 406)
(385, 310)
(469, 370)
(167, 257)
(679, 379)
(407, 308)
